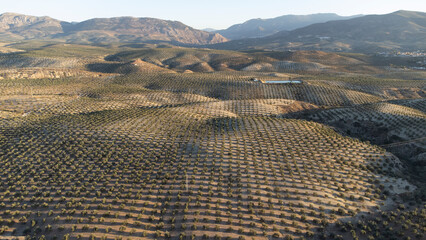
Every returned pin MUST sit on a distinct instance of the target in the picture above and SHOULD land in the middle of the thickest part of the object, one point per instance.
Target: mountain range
(401, 30)
(15, 27)
(255, 28)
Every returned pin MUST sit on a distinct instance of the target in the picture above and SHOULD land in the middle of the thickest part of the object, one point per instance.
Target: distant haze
(219, 14)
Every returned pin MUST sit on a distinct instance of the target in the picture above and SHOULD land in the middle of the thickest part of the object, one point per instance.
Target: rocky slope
(102, 30)
(129, 29)
(17, 27)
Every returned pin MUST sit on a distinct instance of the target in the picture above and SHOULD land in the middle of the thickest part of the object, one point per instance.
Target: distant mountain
(255, 28)
(129, 29)
(19, 27)
(398, 30)
(209, 29)
(102, 30)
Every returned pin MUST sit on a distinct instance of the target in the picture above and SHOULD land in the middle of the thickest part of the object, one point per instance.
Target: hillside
(129, 29)
(208, 60)
(15, 27)
(403, 30)
(103, 158)
(120, 58)
(264, 27)
(153, 141)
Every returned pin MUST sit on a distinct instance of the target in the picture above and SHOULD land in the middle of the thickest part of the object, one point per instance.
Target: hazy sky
(200, 14)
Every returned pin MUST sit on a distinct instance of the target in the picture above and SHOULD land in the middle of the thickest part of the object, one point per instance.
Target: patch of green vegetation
(69, 50)
(32, 44)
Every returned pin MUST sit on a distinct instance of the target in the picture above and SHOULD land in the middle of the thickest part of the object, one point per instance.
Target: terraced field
(150, 154)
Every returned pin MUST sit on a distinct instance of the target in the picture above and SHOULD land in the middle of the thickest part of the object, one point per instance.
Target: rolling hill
(403, 30)
(153, 141)
(209, 60)
(15, 27)
(165, 155)
(263, 27)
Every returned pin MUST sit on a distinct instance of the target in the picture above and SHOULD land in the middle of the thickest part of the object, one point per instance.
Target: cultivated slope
(207, 60)
(116, 164)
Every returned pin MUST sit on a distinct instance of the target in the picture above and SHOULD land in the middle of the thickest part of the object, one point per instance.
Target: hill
(207, 60)
(153, 141)
(402, 30)
(254, 28)
(105, 159)
(15, 27)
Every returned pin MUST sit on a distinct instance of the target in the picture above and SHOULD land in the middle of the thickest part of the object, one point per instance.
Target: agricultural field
(162, 142)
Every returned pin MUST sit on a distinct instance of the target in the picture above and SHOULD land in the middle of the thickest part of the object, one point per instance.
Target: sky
(200, 14)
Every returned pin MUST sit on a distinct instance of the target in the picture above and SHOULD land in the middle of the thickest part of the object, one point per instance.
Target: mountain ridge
(404, 30)
(258, 27)
(15, 26)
